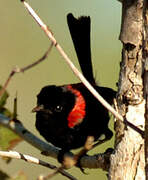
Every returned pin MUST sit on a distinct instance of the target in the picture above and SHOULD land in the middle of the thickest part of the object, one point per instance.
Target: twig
(38, 61)
(21, 70)
(49, 176)
(15, 107)
(30, 159)
(69, 62)
(17, 155)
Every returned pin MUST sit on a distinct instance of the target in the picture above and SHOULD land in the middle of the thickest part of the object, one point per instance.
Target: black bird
(66, 115)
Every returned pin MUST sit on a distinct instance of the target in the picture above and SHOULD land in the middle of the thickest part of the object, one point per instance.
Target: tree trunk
(128, 161)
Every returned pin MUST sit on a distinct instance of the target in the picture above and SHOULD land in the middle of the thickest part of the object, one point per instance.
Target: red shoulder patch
(78, 112)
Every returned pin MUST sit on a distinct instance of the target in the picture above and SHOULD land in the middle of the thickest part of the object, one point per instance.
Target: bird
(67, 114)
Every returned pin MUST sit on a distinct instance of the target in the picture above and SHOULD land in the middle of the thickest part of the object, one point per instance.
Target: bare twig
(46, 177)
(49, 176)
(15, 107)
(17, 155)
(69, 62)
(21, 70)
(38, 61)
(30, 159)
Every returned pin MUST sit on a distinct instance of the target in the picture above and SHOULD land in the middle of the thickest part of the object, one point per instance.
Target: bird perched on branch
(66, 115)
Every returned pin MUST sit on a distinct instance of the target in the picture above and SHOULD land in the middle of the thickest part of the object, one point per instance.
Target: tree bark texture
(128, 161)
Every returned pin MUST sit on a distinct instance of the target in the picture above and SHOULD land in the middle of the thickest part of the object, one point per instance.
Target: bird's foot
(87, 146)
(66, 158)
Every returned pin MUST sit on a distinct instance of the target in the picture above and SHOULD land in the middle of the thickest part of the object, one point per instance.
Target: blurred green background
(22, 42)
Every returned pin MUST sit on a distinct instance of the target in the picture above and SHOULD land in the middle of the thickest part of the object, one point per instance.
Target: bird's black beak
(38, 108)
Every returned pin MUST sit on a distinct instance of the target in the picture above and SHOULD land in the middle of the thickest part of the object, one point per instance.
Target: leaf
(6, 112)
(4, 98)
(8, 139)
(3, 101)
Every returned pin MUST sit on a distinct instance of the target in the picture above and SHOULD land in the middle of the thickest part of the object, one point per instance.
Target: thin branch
(38, 61)
(17, 155)
(23, 69)
(69, 62)
(30, 159)
(50, 175)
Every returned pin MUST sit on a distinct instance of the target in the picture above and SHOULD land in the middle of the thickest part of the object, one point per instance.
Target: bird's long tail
(80, 33)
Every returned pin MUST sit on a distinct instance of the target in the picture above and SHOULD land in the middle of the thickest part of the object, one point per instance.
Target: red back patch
(77, 114)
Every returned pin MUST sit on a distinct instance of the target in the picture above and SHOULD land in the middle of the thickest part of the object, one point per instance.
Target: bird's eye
(58, 108)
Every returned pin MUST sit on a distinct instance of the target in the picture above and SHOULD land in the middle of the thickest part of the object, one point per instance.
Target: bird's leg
(87, 146)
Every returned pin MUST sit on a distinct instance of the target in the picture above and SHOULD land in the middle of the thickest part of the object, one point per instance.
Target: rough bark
(145, 83)
(128, 161)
